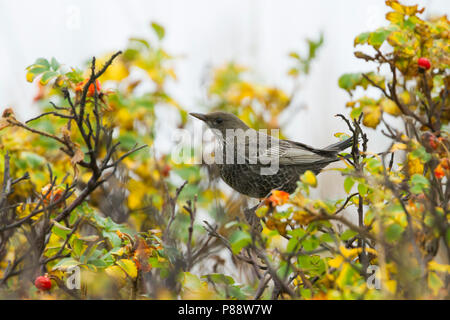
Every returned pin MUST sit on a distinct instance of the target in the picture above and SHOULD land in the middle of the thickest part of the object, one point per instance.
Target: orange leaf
(278, 197)
(77, 157)
(141, 256)
(439, 172)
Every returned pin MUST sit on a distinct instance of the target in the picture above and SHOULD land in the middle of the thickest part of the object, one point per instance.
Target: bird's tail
(340, 146)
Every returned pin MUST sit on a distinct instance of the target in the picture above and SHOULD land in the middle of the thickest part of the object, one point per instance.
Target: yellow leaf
(398, 146)
(390, 107)
(405, 97)
(117, 274)
(309, 178)
(125, 119)
(30, 76)
(302, 217)
(435, 283)
(414, 165)
(391, 286)
(346, 276)
(395, 17)
(4, 123)
(128, 266)
(433, 265)
(398, 7)
(117, 71)
(137, 191)
(372, 116)
(22, 211)
(349, 253)
(336, 262)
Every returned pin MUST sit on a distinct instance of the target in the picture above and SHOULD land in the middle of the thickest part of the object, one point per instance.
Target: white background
(205, 33)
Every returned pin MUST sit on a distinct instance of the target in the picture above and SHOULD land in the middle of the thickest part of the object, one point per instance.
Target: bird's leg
(252, 219)
(250, 213)
(259, 205)
(261, 202)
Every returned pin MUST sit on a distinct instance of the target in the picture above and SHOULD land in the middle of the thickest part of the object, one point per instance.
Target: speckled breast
(247, 179)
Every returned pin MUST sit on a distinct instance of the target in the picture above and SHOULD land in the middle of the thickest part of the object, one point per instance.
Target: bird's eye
(218, 121)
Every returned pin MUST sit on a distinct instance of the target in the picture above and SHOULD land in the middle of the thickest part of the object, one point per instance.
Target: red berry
(166, 170)
(43, 283)
(434, 142)
(424, 63)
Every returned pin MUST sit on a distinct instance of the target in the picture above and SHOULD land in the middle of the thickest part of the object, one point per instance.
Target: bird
(250, 172)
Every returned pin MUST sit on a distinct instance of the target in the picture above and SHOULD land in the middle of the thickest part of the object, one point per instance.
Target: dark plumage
(245, 175)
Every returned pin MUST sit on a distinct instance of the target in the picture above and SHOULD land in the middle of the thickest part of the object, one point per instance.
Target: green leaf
(348, 184)
(191, 173)
(419, 184)
(42, 62)
(397, 38)
(284, 270)
(191, 281)
(36, 70)
(305, 293)
(326, 237)
(422, 154)
(361, 38)
(141, 41)
(160, 32)
(219, 278)
(60, 230)
(32, 160)
(434, 282)
(55, 64)
(356, 112)
(346, 276)
(66, 263)
(310, 244)
(348, 234)
(78, 247)
(236, 292)
(239, 239)
(298, 233)
(374, 165)
(362, 189)
(394, 232)
(349, 81)
(47, 76)
(377, 38)
(100, 263)
(313, 264)
(74, 75)
(293, 245)
(90, 253)
(112, 237)
(369, 217)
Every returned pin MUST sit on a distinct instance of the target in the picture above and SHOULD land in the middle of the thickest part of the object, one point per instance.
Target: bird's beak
(199, 116)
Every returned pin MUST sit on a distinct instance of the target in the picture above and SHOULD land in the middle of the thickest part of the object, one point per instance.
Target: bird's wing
(292, 153)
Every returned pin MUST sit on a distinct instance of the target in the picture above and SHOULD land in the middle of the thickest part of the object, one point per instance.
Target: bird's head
(221, 121)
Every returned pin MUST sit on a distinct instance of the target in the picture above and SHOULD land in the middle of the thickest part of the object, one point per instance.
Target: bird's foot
(252, 219)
